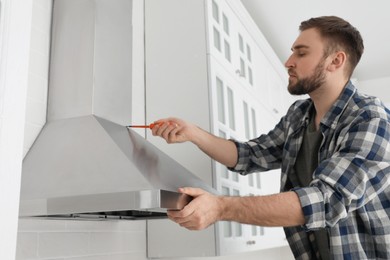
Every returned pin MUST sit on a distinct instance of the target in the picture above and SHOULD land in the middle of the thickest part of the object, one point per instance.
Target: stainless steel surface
(120, 205)
(85, 162)
(156, 200)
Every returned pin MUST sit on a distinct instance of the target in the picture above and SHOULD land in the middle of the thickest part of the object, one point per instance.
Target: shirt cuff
(242, 157)
(313, 207)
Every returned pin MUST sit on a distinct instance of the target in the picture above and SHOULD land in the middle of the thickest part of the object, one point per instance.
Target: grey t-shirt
(306, 163)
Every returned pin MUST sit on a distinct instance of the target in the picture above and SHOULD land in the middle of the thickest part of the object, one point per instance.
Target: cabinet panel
(209, 69)
(176, 74)
(250, 119)
(237, 49)
(177, 85)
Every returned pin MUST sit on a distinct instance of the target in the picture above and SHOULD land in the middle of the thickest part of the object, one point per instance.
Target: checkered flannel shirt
(350, 191)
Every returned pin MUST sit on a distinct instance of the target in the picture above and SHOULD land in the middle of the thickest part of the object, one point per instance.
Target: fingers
(194, 192)
(180, 216)
(199, 213)
(192, 221)
(168, 129)
(160, 127)
(164, 129)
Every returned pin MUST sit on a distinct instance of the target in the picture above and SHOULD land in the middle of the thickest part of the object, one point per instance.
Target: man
(333, 150)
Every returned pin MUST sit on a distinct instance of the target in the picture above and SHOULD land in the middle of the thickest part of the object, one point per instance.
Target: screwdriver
(148, 126)
(142, 126)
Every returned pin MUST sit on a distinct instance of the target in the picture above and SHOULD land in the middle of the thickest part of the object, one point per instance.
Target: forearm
(221, 150)
(175, 130)
(283, 209)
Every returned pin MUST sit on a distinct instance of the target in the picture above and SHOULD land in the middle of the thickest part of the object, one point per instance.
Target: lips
(291, 73)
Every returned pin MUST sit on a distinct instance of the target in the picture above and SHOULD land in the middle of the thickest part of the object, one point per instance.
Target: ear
(339, 59)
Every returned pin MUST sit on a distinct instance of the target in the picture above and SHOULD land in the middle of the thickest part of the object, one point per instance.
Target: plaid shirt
(350, 191)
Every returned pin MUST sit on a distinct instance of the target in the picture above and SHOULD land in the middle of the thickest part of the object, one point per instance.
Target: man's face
(306, 65)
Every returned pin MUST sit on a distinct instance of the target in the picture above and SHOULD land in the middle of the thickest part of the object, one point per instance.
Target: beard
(309, 84)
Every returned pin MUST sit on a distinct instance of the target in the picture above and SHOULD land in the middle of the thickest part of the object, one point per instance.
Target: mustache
(291, 72)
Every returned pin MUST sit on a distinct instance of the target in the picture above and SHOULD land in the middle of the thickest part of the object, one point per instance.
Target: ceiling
(279, 21)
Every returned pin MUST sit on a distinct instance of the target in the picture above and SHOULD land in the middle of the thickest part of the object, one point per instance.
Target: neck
(324, 97)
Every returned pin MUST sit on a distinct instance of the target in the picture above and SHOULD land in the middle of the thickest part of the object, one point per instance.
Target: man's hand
(205, 209)
(173, 130)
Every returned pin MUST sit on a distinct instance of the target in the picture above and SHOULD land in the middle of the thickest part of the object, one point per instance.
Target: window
(242, 68)
(246, 120)
(248, 53)
(235, 176)
(245, 59)
(232, 123)
(250, 76)
(221, 101)
(227, 51)
(251, 180)
(215, 12)
(225, 24)
(217, 39)
(237, 229)
(241, 43)
(258, 181)
(254, 125)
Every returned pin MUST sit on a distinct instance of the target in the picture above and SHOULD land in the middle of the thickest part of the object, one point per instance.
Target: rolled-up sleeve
(313, 207)
(260, 154)
(243, 153)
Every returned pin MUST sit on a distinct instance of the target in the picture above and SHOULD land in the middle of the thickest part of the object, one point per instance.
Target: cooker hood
(86, 163)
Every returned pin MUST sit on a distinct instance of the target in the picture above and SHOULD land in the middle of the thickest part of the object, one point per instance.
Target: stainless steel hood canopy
(85, 162)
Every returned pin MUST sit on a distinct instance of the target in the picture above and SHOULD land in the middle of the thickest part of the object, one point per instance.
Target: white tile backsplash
(42, 239)
(117, 242)
(27, 247)
(107, 226)
(120, 256)
(63, 244)
(41, 225)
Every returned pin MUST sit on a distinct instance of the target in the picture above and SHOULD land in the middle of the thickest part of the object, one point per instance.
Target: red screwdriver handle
(146, 126)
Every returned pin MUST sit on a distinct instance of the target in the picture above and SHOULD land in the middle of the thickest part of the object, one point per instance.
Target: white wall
(14, 46)
(92, 240)
(60, 239)
(68, 239)
(38, 71)
(377, 87)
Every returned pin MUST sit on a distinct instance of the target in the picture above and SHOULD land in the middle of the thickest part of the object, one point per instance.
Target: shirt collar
(331, 118)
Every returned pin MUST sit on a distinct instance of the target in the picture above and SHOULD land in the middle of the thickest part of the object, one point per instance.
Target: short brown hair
(339, 34)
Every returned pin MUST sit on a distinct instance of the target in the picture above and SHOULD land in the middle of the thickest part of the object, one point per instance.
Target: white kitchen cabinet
(233, 46)
(206, 62)
(239, 115)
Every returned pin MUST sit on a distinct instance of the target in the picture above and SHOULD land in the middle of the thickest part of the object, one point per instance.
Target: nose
(289, 62)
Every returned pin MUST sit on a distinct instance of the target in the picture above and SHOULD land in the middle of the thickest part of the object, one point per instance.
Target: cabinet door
(237, 114)
(278, 94)
(220, 32)
(235, 47)
(176, 84)
(230, 43)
